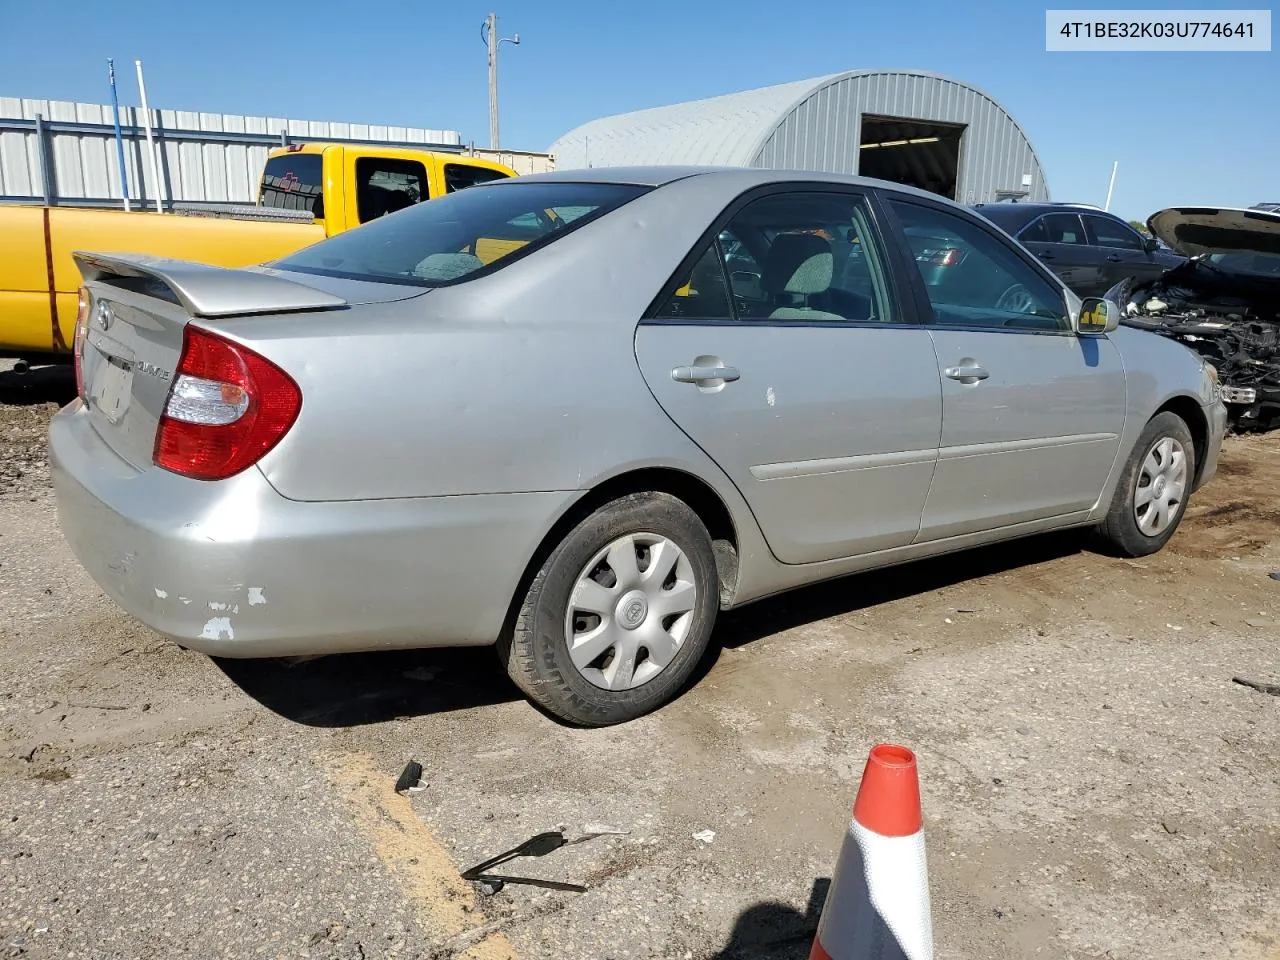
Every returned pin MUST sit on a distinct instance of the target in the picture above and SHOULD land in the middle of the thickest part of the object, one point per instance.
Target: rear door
(804, 377)
(1123, 250)
(1060, 240)
(1031, 413)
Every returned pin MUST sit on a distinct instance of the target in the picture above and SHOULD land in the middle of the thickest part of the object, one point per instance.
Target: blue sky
(1185, 127)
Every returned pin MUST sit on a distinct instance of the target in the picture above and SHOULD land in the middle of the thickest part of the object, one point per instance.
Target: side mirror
(1150, 244)
(1097, 317)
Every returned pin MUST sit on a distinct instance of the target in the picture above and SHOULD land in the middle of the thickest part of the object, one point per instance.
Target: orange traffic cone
(878, 904)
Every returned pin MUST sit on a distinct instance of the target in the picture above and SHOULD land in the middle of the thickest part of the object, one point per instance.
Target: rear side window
(459, 176)
(385, 185)
(797, 257)
(294, 181)
(463, 234)
(1055, 228)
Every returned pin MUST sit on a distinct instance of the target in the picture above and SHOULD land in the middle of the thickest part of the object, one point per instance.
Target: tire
(1122, 530)
(537, 651)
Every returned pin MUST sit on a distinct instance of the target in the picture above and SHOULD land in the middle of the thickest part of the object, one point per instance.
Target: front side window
(790, 257)
(972, 278)
(461, 234)
(384, 185)
(1108, 233)
(294, 181)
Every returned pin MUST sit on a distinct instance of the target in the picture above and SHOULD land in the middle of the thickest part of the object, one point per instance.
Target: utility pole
(491, 42)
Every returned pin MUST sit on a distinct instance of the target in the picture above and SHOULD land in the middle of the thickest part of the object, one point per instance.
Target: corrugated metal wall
(824, 131)
(85, 166)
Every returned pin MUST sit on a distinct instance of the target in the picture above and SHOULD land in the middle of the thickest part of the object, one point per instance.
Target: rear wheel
(1152, 495)
(619, 614)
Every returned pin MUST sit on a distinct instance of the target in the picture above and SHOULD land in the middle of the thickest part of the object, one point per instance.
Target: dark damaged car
(1223, 302)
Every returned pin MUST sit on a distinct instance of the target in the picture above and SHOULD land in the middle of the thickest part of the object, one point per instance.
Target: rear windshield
(460, 235)
(294, 182)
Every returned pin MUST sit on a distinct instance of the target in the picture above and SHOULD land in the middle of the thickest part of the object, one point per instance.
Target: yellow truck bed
(308, 192)
(39, 280)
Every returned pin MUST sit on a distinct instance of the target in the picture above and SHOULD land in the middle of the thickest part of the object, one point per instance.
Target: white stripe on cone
(878, 905)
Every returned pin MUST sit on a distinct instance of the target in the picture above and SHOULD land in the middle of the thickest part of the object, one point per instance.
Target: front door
(1031, 412)
(1059, 239)
(1123, 251)
(800, 377)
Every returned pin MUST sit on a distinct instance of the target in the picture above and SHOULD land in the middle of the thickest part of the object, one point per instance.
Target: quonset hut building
(912, 127)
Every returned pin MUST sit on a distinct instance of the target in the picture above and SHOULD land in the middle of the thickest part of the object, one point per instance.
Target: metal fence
(54, 151)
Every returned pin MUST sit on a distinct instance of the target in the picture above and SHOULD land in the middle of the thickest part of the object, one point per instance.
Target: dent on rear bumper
(233, 569)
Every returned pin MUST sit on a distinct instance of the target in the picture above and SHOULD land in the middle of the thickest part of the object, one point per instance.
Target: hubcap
(630, 611)
(1162, 484)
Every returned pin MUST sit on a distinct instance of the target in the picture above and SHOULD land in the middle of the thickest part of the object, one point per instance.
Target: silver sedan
(574, 415)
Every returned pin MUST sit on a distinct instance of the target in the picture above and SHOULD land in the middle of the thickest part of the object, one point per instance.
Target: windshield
(461, 235)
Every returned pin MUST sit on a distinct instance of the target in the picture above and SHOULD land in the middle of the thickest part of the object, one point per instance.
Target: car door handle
(1113, 258)
(704, 375)
(1046, 255)
(969, 373)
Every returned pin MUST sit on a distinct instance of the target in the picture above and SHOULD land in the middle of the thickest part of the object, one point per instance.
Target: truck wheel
(620, 613)
(1152, 494)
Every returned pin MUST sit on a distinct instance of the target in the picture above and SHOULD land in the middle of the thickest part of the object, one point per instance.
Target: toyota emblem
(104, 314)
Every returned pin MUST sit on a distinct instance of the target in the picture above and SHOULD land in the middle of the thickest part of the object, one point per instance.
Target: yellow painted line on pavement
(423, 868)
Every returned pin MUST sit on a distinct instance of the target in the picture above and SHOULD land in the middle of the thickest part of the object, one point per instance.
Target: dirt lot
(1095, 785)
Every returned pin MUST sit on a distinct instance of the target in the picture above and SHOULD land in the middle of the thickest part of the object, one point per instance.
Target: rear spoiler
(204, 290)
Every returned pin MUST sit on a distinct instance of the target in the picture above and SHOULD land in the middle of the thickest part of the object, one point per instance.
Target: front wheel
(619, 614)
(1151, 497)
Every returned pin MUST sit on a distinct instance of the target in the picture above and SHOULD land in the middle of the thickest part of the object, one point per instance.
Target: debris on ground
(705, 836)
(538, 845)
(1271, 688)
(411, 778)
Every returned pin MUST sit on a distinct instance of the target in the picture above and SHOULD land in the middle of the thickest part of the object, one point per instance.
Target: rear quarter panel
(522, 381)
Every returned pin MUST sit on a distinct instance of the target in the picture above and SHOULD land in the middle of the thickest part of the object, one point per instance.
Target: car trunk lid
(130, 339)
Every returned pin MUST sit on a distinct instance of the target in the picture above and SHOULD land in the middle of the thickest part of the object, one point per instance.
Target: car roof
(1033, 209)
(743, 177)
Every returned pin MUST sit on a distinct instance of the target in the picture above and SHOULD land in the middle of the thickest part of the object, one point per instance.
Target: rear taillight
(226, 408)
(77, 345)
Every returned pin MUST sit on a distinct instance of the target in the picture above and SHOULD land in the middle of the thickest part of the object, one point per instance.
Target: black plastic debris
(411, 777)
(1274, 574)
(536, 846)
(1271, 688)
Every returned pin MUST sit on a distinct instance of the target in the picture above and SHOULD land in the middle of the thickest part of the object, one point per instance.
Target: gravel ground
(1094, 783)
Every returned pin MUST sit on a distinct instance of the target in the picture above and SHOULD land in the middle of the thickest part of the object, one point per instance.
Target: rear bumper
(233, 569)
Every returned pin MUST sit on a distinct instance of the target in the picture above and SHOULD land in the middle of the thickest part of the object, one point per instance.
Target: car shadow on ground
(863, 591)
(52, 384)
(356, 689)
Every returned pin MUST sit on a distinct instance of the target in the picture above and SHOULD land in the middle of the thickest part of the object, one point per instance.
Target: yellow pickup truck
(307, 192)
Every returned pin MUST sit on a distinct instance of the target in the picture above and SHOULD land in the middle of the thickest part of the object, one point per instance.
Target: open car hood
(1196, 231)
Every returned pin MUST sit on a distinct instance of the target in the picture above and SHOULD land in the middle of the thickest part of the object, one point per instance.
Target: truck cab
(345, 186)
